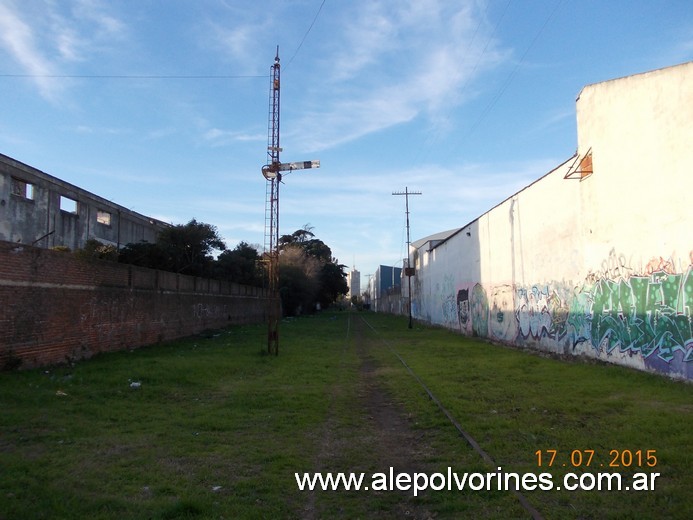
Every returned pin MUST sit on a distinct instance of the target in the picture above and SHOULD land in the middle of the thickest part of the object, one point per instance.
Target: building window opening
(67, 204)
(103, 217)
(22, 189)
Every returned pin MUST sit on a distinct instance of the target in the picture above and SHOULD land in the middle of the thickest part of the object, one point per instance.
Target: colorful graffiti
(541, 312)
(502, 322)
(647, 314)
(642, 314)
(479, 311)
(448, 304)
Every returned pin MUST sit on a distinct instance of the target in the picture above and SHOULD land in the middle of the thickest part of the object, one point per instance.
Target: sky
(162, 106)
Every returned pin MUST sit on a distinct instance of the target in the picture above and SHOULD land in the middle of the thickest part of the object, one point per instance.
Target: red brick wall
(55, 307)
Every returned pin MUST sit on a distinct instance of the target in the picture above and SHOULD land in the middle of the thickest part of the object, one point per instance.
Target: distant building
(385, 289)
(41, 210)
(354, 283)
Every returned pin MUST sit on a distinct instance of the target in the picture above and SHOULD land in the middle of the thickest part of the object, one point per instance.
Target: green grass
(515, 403)
(217, 429)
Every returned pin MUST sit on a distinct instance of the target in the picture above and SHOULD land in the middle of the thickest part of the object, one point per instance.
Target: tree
(323, 279)
(332, 283)
(240, 265)
(184, 248)
(94, 249)
(297, 237)
(298, 281)
(144, 254)
(188, 248)
(304, 238)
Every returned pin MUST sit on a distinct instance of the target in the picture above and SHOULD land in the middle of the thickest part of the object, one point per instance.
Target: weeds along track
(365, 430)
(466, 435)
(329, 440)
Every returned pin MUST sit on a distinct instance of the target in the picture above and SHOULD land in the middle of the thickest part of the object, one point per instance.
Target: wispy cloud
(371, 34)
(85, 29)
(235, 33)
(396, 61)
(43, 38)
(451, 196)
(85, 129)
(555, 118)
(217, 137)
(97, 15)
(20, 42)
(160, 133)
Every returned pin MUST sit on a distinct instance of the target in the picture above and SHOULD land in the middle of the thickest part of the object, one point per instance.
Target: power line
(512, 75)
(306, 35)
(132, 76)
(168, 76)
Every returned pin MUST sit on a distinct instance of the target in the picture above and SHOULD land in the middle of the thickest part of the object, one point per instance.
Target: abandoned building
(41, 210)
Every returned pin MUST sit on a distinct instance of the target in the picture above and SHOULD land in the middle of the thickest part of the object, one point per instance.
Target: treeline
(309, 277)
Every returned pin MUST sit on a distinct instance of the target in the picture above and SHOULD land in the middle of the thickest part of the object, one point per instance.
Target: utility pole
(272, 172)
(408, 271)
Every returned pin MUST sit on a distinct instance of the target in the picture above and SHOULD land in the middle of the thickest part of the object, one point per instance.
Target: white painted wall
(640, 129)
(600, 266)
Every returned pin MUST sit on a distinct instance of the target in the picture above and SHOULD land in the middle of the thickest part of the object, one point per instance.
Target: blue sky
(162, 106)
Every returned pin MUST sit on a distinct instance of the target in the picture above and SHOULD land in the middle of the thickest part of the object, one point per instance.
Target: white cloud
(236, 33)
(44, 37)
(160, 133)
(397, 61)
(385, 63)
(68, 43)
(99, 19)
(216, 137)
(451, 197)
(371, 34)
(85, 129)
(20, 42)
(239, 40)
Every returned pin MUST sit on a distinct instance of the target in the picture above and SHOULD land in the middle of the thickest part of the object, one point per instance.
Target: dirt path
(385, 435)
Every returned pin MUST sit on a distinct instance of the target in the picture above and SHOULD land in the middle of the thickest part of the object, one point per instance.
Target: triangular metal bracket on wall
(581, 167)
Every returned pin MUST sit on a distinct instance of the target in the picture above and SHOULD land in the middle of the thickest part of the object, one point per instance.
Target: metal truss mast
(272, 171)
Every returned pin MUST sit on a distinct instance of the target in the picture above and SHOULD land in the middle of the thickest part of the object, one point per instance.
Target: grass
(515, 403)
(217, 429)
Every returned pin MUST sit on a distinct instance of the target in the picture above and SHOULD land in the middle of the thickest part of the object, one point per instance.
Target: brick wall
(55, 307)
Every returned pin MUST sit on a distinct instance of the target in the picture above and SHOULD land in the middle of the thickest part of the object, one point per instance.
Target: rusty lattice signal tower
(272, 171)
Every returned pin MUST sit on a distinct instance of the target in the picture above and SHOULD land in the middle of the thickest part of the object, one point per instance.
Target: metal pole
(406, 198)
(408, 271)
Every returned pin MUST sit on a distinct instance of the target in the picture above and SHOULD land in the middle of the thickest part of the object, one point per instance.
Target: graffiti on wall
(502, 322)
(645, 312)
(615, 267)
(446, 295)
(541, 312)
(641, 314)
(463, 308)
(478, 305)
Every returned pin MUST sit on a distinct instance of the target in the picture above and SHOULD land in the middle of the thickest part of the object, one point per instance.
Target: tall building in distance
(354, 282)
